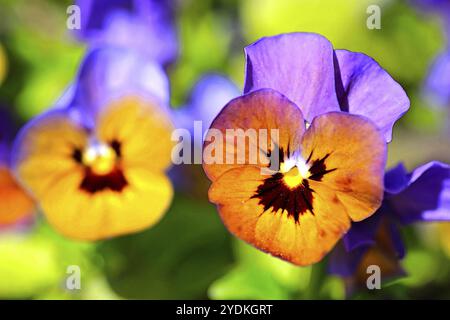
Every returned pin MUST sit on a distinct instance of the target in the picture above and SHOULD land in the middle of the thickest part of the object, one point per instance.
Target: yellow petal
(302, 242)
(143, 130)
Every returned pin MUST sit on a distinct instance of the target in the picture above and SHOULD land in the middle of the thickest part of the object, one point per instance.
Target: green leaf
(258, 275)
(176, 259)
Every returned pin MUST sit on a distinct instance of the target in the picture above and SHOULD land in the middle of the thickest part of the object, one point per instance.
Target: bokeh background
(189, 254)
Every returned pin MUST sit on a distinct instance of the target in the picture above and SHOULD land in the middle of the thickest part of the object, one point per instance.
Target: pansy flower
(334, 111)
(16, 206)
(420, 196)
(145, 25)
(96, 164)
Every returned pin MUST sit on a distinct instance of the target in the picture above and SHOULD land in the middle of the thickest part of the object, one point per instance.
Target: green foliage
(177, 259)
(258, 275)
(34, 264)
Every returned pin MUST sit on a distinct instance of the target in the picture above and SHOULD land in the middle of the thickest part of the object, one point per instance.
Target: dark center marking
(274, 194)
(92, 182)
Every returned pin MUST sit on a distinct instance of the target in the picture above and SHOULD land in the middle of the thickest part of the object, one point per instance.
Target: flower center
(102, 167)
(294, 170)
(100, 158)
(288, 189)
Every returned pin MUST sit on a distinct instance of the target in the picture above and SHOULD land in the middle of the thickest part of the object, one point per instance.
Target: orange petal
(301, 213)
(353, 155)
(263, 109)
(15, 204)
(302, 242)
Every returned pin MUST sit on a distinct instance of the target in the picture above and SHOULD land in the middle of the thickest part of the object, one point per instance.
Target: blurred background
(190, 254)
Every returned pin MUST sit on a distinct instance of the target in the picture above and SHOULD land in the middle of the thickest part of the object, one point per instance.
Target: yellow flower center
(294, 171)
(101, 159)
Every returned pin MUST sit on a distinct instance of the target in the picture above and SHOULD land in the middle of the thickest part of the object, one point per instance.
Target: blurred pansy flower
(96, 163)
(437, 84)
(145, 25)
(332, 146)
(16, 206)
(440, 7)
(420, 196)
(209, 95)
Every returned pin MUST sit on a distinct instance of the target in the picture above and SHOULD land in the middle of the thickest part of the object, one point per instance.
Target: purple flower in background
(308, 71)
(209, 95)
(145, 25)
(420, 196)
(440, 7)
(6, 136)
(109, 73)
(437, 84)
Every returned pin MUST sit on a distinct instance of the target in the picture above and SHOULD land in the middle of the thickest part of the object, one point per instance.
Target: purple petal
(95, 12)
(364, 88)
(396, 238)
(363, 233)
(208, 97)
(396, 179)
(298, 65)
(436, 6)
(431, 4)
(4, 154)
(437, 85)
(7, 132)
(426, 196)
(108, 74)
(145, 25)
(385, 238)
(343, 263)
